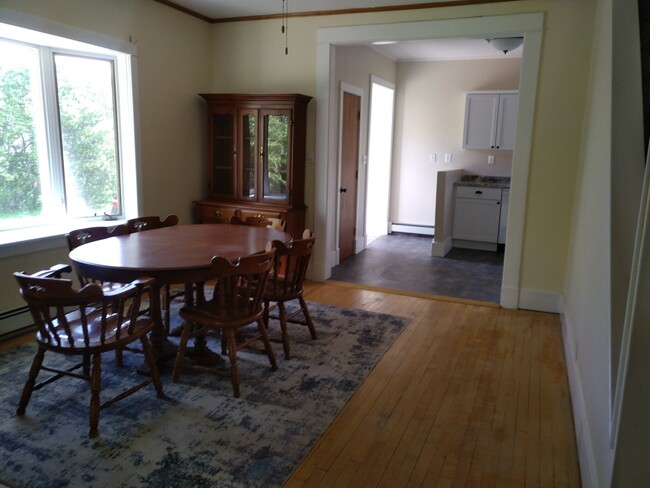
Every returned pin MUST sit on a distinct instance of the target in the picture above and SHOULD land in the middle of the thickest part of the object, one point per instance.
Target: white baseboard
(509, 297)
(440, 249)
(586, 458)
(423, 230)
(540, 301)
(478, 245)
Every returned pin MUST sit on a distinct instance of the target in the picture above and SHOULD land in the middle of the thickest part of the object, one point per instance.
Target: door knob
(343, 190)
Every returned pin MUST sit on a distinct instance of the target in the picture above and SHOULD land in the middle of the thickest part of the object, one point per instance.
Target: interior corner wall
(598, 269)
(429, 119)
(631, 340)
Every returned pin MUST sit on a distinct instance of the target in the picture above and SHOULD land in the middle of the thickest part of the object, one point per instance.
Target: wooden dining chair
(286, 283)
(151, 222)
(71, 323)
(79, 237)
(237, 301)
(278, 223)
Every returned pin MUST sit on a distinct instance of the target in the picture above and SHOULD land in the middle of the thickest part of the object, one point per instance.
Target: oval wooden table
(170, 255)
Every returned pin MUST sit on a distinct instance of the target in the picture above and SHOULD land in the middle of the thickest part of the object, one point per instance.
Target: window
(66, 130)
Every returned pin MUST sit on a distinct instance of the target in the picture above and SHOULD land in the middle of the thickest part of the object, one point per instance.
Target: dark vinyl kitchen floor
(404, 262)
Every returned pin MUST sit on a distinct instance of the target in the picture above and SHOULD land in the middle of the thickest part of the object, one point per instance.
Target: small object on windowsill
(108, 217)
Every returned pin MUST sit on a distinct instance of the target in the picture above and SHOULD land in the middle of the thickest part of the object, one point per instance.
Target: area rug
(200, 436)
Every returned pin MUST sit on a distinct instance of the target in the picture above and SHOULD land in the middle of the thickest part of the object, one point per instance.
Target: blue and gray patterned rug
(200, 436)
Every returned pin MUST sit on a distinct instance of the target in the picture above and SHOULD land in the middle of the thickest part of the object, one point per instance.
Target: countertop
(502, 182)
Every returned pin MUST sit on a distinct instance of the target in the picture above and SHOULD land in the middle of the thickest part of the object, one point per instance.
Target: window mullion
(54, 199)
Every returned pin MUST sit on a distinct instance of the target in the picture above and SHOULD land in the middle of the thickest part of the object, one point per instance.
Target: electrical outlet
(447, 157)
(490, 159)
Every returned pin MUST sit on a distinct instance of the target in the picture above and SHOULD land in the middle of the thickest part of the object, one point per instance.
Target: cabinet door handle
(217, 213)
(478, 192)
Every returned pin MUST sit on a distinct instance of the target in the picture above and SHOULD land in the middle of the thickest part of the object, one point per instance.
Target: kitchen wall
(430, 113)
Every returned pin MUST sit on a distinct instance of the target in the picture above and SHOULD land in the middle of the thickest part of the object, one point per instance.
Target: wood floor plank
(469, 399)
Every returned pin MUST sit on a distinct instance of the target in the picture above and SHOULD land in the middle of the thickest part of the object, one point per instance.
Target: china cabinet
(256, 158)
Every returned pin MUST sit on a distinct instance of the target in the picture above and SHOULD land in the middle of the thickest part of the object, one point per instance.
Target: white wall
(430, 112)
(598, 270)
(587, 288)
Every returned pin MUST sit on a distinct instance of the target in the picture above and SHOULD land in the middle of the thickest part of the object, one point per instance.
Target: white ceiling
(425, 50)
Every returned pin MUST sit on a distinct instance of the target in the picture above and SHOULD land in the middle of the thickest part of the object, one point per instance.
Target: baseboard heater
(422, 230)
(15, 322)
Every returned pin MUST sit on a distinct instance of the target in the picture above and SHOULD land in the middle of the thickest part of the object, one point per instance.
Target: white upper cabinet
(490, 120)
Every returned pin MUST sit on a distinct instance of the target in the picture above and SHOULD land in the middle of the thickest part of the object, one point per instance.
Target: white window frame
(65, 39)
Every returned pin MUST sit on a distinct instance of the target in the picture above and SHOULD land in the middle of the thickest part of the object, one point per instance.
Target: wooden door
(349, 161)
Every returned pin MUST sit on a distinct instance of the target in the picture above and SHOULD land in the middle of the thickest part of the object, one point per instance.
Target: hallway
(404, 262)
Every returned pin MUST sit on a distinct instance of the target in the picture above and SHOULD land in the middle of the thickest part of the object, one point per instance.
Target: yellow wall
(173, 66)
(249, 56)
(178, 59)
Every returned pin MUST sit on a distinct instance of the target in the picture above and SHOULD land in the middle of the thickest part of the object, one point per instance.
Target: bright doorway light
(380, 151)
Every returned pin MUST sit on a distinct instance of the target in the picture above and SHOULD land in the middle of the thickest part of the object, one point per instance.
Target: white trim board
(529, 25)
(586, 459)
(424, 230)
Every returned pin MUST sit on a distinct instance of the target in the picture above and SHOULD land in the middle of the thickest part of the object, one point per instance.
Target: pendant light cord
(285, 25)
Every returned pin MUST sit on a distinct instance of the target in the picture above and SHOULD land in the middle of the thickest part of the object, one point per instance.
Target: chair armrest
(136, 286)
(54, 272)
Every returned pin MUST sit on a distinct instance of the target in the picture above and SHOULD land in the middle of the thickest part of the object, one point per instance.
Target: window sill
(42, 238)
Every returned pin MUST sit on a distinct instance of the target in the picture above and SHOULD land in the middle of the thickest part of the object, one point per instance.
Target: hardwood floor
(468, 395)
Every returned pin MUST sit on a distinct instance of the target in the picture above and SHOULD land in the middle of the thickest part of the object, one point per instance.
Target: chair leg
(224, 343)
(232, 353)
(153, 368)
(86, 364)
(95, 388)
(267, 345)
(31, 381)
(180, 355)
(305, 312)
(265, 316)
(166, 305)
(118, 358)
(285, 333)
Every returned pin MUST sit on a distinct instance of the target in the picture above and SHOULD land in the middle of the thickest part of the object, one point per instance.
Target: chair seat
(281, 289)
(74, 342)
(223, 314)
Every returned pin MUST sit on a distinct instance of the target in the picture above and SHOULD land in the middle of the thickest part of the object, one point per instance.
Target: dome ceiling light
(505, 44)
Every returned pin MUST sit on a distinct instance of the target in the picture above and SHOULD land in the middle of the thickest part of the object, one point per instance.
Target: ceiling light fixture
(505, 44)
(285, 25)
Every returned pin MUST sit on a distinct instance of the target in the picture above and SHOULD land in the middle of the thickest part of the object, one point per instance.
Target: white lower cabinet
(477, 217)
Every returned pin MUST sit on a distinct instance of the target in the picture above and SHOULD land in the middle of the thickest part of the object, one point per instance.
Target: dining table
(180, 254)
